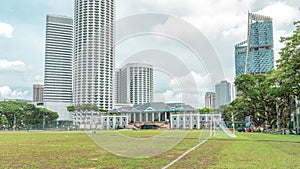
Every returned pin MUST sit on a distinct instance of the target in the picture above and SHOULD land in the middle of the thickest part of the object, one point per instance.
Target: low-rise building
(192, 121)
(153, 112)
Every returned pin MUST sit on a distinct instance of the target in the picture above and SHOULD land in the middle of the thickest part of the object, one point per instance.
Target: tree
(41, 116)
(287, 75)
(255, 99)
(3, 120)
(22, 114)
(288, 68)
(15, 112)
(206, 110)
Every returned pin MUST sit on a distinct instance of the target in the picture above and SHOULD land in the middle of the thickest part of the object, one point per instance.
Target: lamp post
(277, 117)
(15, 121)
(43, 120)
(232, 119)
(297, 115)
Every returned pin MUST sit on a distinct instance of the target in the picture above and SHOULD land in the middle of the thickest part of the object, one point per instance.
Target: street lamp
(232, 119)
(297, 115)
(15, 121)
(43, 120)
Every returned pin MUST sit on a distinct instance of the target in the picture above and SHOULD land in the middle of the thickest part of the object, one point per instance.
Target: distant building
(193, 121)
(38, 93)
(58, 65)
(256, 55)
(92, 120)
(240, 59)
(210, 100)
(134, 84)
(223, 90)
(153, 112)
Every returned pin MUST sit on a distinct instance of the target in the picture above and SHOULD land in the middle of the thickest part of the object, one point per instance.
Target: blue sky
(223, 22)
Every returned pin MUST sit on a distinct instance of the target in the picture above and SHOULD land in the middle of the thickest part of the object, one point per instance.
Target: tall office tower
(210, 100)
(135, 84)
(93, 60)
(38, 93)
(223, 90)
(255, 55)
(58, 65)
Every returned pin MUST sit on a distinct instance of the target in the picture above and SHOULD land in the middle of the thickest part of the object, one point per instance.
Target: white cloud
(282, 14)
(15, 66)
(189, 89)
(38, 78)
(6, 30)
(236, 33)
(226, 14)
(7, 93)
(167, 96)
(277, 44)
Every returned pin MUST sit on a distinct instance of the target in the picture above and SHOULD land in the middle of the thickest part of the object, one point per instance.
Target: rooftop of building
(137, 65)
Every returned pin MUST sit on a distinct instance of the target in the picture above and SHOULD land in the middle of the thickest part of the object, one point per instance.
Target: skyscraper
(135, 84)
(223, 90)
(255, 55)
(58, 65)
(240, 58)
(38, 93)
(93, 60)
(210, 100)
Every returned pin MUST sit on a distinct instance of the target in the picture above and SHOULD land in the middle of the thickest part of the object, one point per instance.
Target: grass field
(77, 150)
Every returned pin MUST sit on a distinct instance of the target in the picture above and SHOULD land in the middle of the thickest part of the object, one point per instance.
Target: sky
(222, 22)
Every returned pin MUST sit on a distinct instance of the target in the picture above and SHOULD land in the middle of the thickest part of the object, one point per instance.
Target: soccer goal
(219, 128)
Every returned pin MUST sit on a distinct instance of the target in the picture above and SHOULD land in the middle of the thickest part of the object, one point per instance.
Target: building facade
(93, 60)
(193, 121)
(210, 100)
(153, 112)
(58, 65)
(223, 90)
(256, 55)
(240, 58)
(134, 84)
(94, 120)
(38, 93)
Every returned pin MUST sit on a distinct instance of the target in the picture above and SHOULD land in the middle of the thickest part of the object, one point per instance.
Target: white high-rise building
(93, 60)
(58, 65)
(134, 84)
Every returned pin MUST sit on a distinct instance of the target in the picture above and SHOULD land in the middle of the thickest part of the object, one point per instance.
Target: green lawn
(77, 150)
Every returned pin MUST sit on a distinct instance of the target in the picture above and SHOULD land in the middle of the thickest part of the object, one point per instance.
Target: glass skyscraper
(93, 60)
(255, 55)
(240, 59)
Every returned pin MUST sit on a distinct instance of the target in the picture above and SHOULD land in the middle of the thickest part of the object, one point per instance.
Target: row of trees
(23, 115)
(270, 97)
